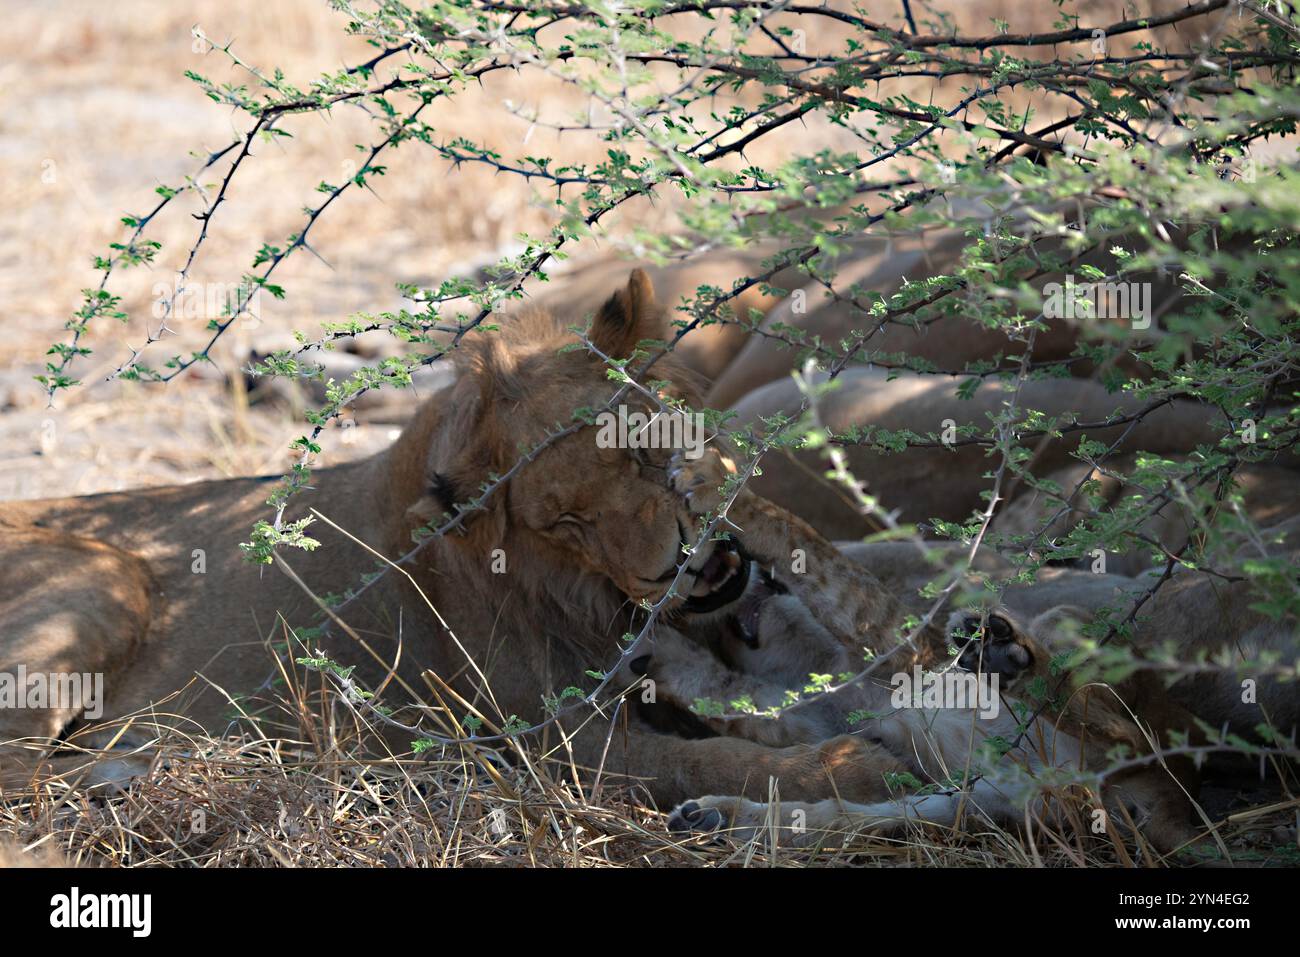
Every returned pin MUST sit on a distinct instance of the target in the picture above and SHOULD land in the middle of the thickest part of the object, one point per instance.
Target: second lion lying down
(1030, 735)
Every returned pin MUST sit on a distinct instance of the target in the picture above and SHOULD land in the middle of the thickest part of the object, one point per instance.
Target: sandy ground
(95, 112)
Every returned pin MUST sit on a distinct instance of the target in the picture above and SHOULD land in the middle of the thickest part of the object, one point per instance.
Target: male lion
(149, 588)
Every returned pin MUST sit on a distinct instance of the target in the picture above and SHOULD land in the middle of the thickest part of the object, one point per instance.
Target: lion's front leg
(673, 769)
(782, 823)
(685, 674)
(844, 597)
(809, 824)
(939, 740)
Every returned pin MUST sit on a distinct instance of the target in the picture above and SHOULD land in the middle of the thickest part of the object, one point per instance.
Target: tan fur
(1268, 497)
(796, 641)
(877, 265)
(581, 529)
(936, 745)
(926, 483)
(708, 349)
(111, 583)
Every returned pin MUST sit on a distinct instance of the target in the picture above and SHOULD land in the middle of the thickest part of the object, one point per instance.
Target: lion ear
(627, 317)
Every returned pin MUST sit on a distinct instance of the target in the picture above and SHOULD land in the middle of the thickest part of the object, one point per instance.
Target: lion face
(581, 504)
(610, 511)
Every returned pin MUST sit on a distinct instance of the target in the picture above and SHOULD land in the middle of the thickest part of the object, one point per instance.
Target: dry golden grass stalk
(313, 795)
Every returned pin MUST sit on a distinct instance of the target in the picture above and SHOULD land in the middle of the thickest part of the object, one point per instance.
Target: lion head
(580, 510)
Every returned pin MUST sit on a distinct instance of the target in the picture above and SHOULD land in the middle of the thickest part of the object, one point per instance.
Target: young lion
(148, 590)
(789, 625)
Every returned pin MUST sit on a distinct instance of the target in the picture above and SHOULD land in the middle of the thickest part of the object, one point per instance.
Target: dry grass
(244, 803)
(317, 798)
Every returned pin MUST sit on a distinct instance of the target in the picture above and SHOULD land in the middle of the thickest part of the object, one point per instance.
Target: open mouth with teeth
(747, 616)
(721, 581)
(737, 586)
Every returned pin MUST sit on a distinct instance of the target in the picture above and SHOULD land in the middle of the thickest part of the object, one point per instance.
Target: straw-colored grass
(313, 796)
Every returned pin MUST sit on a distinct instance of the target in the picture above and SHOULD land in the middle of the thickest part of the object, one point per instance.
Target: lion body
(518, 603)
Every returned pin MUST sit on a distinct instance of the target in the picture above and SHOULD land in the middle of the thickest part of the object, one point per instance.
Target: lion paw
(692, 817)
(737, 817)
(996, 647)
(699, 480)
